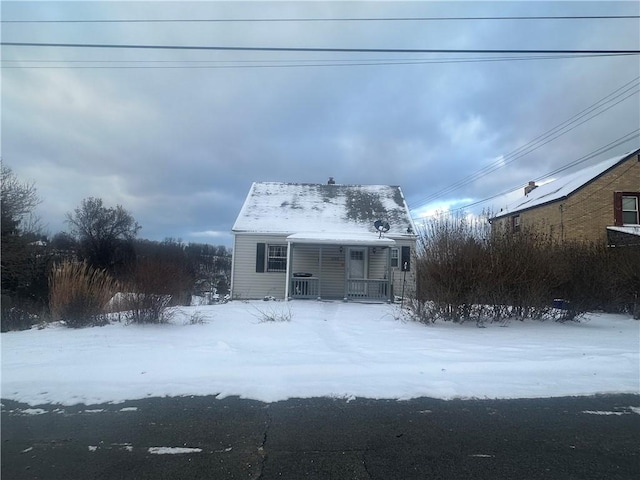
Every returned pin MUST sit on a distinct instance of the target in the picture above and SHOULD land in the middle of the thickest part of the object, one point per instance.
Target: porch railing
(368, 289)
(304, 287)
(308, 287)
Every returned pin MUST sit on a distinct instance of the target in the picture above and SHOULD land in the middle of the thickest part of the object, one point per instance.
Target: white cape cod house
(323, 241)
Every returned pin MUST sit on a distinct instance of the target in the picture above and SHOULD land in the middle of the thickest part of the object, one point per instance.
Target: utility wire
(616, 143)
(315, 49)
(503, 163)
(351, 19)
(240, 64)
(620, 141)
(626, 91)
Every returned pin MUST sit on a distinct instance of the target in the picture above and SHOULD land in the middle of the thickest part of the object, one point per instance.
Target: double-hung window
(630, 210)
(277, 258)
(626, 208)
(515, 223)
(395, 259)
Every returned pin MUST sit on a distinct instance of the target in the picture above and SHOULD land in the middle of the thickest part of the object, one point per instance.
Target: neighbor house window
(395, 259)
(626, 208)
(630, 210)
(515, 223)
(277, 258)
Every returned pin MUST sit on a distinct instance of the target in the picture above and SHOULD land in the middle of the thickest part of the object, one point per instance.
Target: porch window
(277, 258)
(630, 210)
(395, 259)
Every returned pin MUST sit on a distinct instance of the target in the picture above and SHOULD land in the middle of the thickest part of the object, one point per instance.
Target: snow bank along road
(335, 349)
(588, 438)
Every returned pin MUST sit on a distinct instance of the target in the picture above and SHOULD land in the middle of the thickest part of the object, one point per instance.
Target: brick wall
(584, 215)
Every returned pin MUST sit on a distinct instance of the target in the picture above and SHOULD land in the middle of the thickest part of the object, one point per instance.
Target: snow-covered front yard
(326, 349)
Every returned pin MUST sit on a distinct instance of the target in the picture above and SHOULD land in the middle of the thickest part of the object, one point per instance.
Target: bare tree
(102, 231)
(23, 263)
(19, 200)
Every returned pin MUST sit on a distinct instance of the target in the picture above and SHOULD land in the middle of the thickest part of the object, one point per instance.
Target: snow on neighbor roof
(561, 187)
(292, 208)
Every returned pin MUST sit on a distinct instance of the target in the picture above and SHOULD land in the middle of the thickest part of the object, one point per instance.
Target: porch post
(389, 282)
(320, 273)
(288, 271)
(347, 251)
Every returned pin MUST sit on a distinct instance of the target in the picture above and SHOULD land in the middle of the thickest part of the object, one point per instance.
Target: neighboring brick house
(323, 241)
(600, 203)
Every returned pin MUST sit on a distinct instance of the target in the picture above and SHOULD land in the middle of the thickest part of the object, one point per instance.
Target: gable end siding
(247, 282)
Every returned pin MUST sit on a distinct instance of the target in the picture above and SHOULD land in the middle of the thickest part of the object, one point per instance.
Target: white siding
(247, 283)
(399, 277)
(378, 264)
(332, 285)
(305, 259)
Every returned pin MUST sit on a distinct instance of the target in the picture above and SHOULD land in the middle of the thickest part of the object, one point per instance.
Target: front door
(356, 272)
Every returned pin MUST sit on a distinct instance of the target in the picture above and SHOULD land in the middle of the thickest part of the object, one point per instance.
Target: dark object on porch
(304, 286)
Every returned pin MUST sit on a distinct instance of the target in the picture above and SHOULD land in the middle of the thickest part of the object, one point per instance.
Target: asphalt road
(206, 438)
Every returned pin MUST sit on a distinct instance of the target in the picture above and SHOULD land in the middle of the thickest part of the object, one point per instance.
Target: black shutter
(260, 248)
(406, 259)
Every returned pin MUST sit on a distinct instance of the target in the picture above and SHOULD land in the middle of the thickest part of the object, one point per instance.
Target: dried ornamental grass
(78, 294)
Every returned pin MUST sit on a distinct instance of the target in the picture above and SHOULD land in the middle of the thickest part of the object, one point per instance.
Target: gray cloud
(179, 147)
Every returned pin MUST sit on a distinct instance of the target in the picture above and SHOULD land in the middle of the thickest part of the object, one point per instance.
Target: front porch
(371, 290)
(354, 268)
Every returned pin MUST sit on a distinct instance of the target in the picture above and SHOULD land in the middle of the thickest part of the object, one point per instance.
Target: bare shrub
(521, 278)
(196, 318)
(452, 268)
(466, 272)
(148, 308)
(163, 277)
(18, 314)
(154, 286)
(624, 280)
(78, 294)
(597, 277)
(274, 315)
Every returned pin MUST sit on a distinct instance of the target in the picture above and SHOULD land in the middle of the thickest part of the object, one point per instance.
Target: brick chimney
(532, 185)
(331, 181)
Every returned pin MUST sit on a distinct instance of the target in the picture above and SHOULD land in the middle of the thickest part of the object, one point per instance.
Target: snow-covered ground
(326, 349)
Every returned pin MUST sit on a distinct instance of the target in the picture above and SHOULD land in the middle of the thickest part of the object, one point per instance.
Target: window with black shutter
(277, 258)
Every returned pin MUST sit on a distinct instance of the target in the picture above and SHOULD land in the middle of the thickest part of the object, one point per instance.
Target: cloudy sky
(177, 136)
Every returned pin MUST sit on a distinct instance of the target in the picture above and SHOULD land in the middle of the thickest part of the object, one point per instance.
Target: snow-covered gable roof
(291, 208)
(561, 187)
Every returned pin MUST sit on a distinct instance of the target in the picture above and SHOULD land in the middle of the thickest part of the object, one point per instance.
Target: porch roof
(338, 238)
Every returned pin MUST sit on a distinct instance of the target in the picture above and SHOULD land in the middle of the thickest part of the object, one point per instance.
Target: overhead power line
(319, 49)
(344, 19)
(240, 64)
(633, 135)
(609, 101)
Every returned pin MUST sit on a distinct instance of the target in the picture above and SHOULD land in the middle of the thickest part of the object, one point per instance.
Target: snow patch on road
(33, 411)
(173, 450)
(619, 411)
